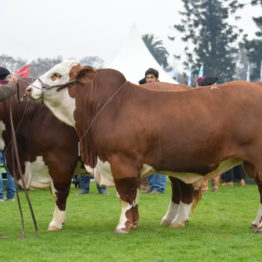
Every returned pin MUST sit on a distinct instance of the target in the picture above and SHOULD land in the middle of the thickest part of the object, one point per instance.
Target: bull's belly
(103, 174)
(194, 178)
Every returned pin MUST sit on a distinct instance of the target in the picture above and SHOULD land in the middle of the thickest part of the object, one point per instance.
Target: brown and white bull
(191, 135)
(48, 149)
(38, 176)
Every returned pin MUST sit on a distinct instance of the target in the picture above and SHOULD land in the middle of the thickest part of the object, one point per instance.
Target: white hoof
(53, 228)
(165, 222)
(121, 231)
(177, 225)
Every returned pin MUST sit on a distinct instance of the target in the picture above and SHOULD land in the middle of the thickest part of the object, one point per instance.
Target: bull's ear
(74, 71)
(85, 74)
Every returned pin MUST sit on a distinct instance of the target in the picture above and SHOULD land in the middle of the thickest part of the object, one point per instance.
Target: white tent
(134, 59)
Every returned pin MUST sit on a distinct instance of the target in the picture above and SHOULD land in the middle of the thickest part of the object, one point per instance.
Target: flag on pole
(23, 72)
(248, 72)
(261, 70)
(201, 71)
(189, 76)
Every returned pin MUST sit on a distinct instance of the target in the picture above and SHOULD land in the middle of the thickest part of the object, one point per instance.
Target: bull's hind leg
(187, 197)
(60, 192)
(253, 173)
(127, 185)
(174, 203)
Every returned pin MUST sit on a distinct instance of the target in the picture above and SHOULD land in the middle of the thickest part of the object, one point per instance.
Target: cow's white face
(60, 103)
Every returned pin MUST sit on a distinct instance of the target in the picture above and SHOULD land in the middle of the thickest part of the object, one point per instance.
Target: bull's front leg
(128, 193)
(127, 185)
(60, 193)
(174, 203)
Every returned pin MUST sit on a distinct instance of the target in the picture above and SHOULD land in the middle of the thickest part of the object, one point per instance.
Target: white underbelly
(103, 173)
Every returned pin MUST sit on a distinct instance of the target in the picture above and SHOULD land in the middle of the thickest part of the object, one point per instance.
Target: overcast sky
(78, 28)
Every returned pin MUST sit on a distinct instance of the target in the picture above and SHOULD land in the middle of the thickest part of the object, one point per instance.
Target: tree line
(40, 65)
(223, 48)
(210, 40)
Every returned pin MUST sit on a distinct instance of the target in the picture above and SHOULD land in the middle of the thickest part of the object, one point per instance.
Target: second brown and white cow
(48, 149)
(42, 158)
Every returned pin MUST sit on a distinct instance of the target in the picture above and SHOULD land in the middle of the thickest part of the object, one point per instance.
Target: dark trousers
(84, 183)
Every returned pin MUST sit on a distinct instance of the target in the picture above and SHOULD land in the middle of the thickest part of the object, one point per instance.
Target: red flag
(23, 72)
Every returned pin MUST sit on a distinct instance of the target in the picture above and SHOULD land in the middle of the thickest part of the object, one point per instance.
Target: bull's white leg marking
(58, 220)
(257, 221)
(123, 218)
(170, 213)
(182, 215)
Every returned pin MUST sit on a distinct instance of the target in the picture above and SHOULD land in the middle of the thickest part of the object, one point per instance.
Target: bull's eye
(56, 76)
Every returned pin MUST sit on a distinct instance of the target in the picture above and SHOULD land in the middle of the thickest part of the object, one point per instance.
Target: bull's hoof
(259, 231)
(165, 222)
(177, 225)
(252, 226)
(3, 236)
(120, 231)
(53, 228)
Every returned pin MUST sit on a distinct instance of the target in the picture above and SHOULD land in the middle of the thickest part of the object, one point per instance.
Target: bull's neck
(99, 94)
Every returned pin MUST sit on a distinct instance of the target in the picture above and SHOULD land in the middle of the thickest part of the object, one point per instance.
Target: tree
(254, 48)
(157, 49)
(42, 65)
(12, 64)
(210, 38)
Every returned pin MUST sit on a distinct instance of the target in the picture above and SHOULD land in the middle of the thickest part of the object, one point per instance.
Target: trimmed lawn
(218, 230)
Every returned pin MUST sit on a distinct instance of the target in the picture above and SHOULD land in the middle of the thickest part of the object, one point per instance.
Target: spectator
(206, 81)
(156, 182)
(235, 173)
(84, 185)
(10, 184)
(10, 181)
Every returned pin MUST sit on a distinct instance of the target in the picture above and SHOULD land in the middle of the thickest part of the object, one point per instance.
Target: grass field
(218, 230)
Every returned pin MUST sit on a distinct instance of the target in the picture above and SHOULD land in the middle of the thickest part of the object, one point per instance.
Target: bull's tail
(197, 195)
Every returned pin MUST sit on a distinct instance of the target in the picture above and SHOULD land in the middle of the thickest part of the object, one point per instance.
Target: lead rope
(100, 110)
(15, 150)
(22, 234)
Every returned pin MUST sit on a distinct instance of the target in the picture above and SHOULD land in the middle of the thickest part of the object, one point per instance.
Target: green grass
(218, 230)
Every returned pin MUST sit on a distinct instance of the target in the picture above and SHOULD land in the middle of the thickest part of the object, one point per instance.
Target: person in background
(156, 182)
(4, 73)
(10, 181)
(235, 173)
(10, 184)
(84, 185)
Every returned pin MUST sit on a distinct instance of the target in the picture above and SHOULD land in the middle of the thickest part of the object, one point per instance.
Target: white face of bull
(60, 103)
